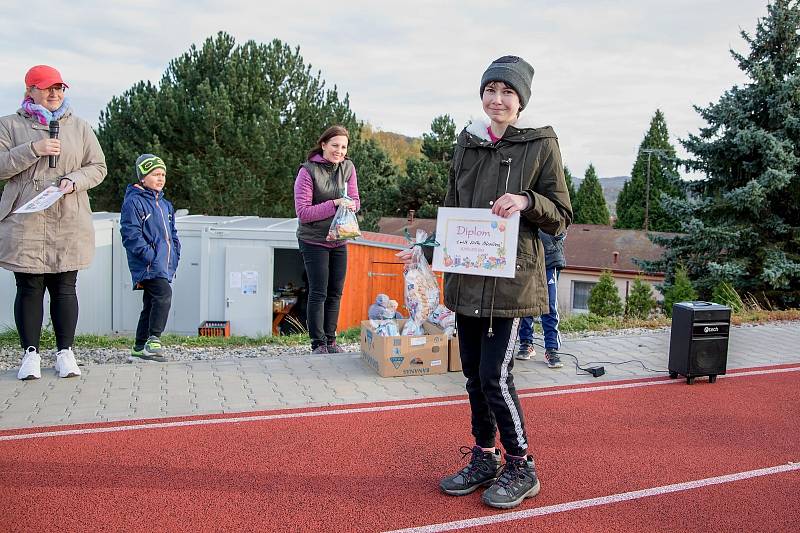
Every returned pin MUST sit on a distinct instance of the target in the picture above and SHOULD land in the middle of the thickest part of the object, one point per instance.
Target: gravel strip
(10, 358)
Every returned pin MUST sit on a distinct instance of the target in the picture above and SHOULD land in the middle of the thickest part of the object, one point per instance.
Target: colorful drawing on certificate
(474, 241)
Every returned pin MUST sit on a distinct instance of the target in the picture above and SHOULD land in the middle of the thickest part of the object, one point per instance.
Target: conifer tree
(570, 188)
(633, 206)
(680, 290)
(640, 300)
(232, 122)
(741, 223)
(604, 297)
(424, 185)
(590, 205)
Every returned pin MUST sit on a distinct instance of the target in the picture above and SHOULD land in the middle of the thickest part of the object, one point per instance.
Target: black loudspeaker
(698, 343)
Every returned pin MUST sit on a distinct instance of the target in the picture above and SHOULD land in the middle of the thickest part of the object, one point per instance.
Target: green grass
(9, 338)
(570, 324)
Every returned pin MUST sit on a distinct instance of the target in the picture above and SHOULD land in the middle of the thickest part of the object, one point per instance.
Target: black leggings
(487, 363)
(29, 307)
(326, 269)
(156, 301)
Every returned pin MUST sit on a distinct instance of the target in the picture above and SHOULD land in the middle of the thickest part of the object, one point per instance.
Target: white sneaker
(66, 365)
(31, 367)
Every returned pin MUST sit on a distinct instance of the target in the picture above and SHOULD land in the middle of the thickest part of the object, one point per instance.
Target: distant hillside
(611, 189)
(399, 147)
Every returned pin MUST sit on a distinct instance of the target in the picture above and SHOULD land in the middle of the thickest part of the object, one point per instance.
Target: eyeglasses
(58, 88)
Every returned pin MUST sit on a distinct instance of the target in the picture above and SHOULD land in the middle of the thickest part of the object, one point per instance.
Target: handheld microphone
(53, 159)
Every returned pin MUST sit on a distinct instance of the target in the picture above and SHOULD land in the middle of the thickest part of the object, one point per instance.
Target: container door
(248, 290)
(386, 278)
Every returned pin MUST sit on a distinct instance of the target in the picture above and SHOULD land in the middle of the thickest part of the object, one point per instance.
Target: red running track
(376, 467)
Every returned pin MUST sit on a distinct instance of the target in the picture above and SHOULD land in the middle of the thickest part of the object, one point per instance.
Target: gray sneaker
(525, 352)
(552, 359)
(481, 470)
(517, 481)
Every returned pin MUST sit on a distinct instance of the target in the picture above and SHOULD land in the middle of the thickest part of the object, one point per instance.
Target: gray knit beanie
(514, 72)
(146, 163)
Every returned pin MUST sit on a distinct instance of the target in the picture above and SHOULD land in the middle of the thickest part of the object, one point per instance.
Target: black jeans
(487, 363)
(29, 307)
(326, 269)
(156, 301)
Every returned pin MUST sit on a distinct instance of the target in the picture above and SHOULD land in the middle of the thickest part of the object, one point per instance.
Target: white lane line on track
(356, 410)
(594, 502)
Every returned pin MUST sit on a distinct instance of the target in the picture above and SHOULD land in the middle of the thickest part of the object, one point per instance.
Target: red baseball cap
(42, 77)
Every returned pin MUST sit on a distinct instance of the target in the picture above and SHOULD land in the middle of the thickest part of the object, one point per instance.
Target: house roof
(603, 247)
(588, 246)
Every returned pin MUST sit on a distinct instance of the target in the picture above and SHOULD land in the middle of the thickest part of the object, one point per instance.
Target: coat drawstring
(490, 333)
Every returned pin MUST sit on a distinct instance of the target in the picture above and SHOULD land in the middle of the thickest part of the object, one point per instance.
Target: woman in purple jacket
(324, 182)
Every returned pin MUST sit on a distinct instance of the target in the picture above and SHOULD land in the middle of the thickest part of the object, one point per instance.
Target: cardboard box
(405, 355)
(455, 356)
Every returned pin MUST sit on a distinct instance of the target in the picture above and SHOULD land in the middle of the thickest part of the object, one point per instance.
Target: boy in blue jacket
(554, 263)
(153, 249)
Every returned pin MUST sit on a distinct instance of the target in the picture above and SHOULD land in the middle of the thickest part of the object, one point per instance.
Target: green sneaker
(153, 346)
(151, 351)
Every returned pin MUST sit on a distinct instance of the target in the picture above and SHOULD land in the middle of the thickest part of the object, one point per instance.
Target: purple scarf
(42, 114)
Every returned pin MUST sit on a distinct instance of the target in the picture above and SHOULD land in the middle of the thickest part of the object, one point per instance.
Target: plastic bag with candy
(383, 308)
(385, 328)
(421, 288)
(444, 318)
(380, 309)
(344, 225)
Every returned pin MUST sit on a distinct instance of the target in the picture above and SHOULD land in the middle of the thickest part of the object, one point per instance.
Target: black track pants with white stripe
(487, 363)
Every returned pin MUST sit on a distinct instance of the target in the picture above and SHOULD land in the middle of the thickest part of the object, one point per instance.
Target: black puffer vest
(330, 182)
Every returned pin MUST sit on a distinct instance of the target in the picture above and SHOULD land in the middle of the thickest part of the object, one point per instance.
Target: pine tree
(570, 187)
(590, 205)
(640, 300)
(232, 122)
(742, 223)
(633, 206)
(424, 185)
(680, 290)
(604, 297)
(438, 145)
(377, 182)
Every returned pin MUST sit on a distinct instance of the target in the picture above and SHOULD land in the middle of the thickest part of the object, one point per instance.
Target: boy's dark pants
(487, 363)
(156, 300)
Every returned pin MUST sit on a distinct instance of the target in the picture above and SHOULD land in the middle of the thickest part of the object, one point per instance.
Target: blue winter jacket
(553, 250)
(149, 235)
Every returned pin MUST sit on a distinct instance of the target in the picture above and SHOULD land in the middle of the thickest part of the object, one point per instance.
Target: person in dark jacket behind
(153, 249)
(508, 166)
(554, 264)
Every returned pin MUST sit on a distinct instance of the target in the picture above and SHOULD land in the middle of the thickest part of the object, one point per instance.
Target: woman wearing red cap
(45, 249)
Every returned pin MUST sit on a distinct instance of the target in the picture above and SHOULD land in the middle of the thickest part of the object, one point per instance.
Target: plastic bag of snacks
(385, 328)
(383, 308)
(344, 225)
(421, 288)
(444, 318)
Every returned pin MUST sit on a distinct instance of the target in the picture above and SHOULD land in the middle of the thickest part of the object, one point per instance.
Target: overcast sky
(602, 67)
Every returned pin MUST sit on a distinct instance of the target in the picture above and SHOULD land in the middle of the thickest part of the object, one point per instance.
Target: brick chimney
(411, 213)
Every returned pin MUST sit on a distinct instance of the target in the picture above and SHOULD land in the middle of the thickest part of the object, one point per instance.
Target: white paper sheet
(42, 201)
(476, 242)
